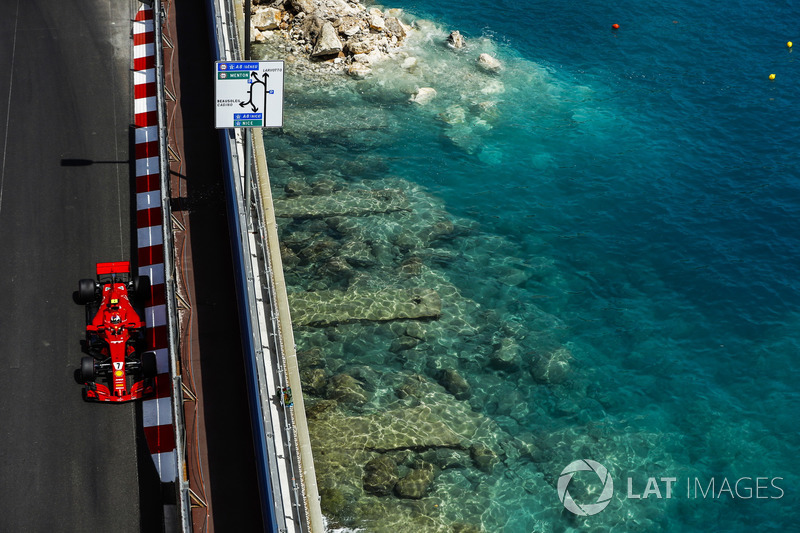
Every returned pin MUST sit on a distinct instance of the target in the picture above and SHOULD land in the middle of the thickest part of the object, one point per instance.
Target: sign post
(248, 94)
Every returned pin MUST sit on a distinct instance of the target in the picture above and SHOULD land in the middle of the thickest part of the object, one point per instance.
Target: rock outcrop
(456, 40)
(347, 32)
(328, 42)
(489, 63)
(423, 95)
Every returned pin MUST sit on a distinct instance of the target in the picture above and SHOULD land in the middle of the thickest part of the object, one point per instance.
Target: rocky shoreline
(340, 36)
(412, 388)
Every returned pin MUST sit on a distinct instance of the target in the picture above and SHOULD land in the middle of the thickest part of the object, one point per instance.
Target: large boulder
(423, 95)
(376, 20)
(328, 42)
(301, 6)
(455, 39)
(349, 26)
(364, 45)
(266, 18)
(489, 63)
(395, 27)
(380, 475)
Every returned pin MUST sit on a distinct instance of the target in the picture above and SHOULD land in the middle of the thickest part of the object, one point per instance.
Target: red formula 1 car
(116, 370)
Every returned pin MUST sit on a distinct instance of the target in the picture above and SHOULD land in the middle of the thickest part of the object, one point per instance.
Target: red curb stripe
(151, 255)
(148, 217)
(143, 38)
(149, 118)
(157, 296)
(160, 439)
(163, 386)
(150, 182)
(144, 63)
(147, 149)
(156, 337)
(144, 14)
(144, 90)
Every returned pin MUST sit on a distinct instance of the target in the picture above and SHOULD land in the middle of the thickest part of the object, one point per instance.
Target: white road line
(8, 107)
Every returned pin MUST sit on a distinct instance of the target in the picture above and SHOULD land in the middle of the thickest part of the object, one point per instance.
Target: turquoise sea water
(630, 195)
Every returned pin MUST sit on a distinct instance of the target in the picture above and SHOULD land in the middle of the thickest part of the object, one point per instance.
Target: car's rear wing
(116, 267)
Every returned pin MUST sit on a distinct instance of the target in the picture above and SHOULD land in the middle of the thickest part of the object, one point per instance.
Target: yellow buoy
(772, 76)
(789, 44)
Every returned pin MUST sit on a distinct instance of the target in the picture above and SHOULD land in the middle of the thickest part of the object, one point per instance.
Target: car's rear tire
(87, 291)
(141, 288)
(87, 369)
(149, 367)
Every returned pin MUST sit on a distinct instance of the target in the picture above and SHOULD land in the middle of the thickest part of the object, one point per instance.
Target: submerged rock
(455, 384)
(341, 203)
(403, 343)
(416, 484)
(483, 457)
(506, 357)
(551, 368)
(380, 475)
(345, 388)
(329, 307)
(460, 527)
(416, 330)
(314, 380)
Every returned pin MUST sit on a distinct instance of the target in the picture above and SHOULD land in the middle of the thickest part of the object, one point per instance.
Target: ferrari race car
(115, 369)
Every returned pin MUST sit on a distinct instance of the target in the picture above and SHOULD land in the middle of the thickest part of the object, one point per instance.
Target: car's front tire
(87, 369)
(149, 367)
(87, 291)
(141, 288)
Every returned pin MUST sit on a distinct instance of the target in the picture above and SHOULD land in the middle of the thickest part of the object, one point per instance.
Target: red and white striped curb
(157, 411)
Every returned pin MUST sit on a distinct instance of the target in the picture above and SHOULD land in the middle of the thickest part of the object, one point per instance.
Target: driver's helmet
(115, 319)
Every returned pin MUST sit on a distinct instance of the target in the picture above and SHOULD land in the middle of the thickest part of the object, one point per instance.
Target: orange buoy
(615, 26)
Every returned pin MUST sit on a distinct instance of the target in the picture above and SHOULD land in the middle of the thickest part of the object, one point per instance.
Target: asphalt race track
(65, 203)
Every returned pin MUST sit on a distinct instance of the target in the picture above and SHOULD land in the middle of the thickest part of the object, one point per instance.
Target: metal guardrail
(178, 423)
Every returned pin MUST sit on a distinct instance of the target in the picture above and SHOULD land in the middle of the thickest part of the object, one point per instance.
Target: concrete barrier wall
(274, 348)
(287, 341)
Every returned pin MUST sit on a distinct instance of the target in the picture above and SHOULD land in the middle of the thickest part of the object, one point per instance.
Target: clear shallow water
(631, 195)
